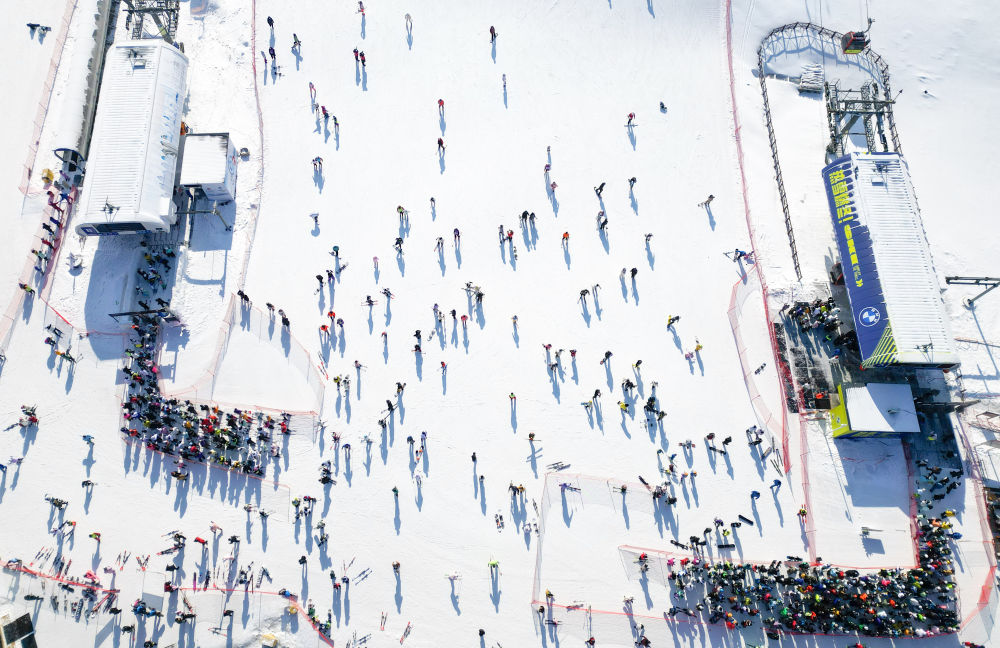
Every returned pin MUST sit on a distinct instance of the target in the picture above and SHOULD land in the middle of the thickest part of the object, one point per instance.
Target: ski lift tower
(845, 107)
(165, 14)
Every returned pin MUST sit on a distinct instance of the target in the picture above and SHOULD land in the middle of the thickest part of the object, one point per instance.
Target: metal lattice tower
(165, 13)
(845, 107)
(869, 92)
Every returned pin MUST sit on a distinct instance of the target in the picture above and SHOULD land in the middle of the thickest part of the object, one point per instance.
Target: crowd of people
(799, 597)
(819, 313)
(238, 440)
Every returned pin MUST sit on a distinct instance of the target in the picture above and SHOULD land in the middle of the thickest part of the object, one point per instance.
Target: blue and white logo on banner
(869, 316)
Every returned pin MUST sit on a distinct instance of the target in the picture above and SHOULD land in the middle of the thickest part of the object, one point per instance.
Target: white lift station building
(132, 166)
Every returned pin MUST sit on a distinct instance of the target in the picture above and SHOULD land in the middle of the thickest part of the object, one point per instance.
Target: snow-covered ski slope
(573, 73)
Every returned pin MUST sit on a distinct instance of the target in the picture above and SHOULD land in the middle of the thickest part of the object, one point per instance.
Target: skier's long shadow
(777, 506)
(633, 201)
(495, 591)
(336, 605)
(567, 515)
(566, 256)
(649, 256)
(711, 456)
(533, 457)
(758, 460)
(644, 584)
(603, 233)
(397, 522)
(454, 598)
(677, 339)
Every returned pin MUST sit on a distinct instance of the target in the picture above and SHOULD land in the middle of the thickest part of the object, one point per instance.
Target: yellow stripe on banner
(839, 423)
(885, 351)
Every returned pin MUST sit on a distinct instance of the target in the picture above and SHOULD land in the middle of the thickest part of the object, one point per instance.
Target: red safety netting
(775, 424)
(782, 367)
